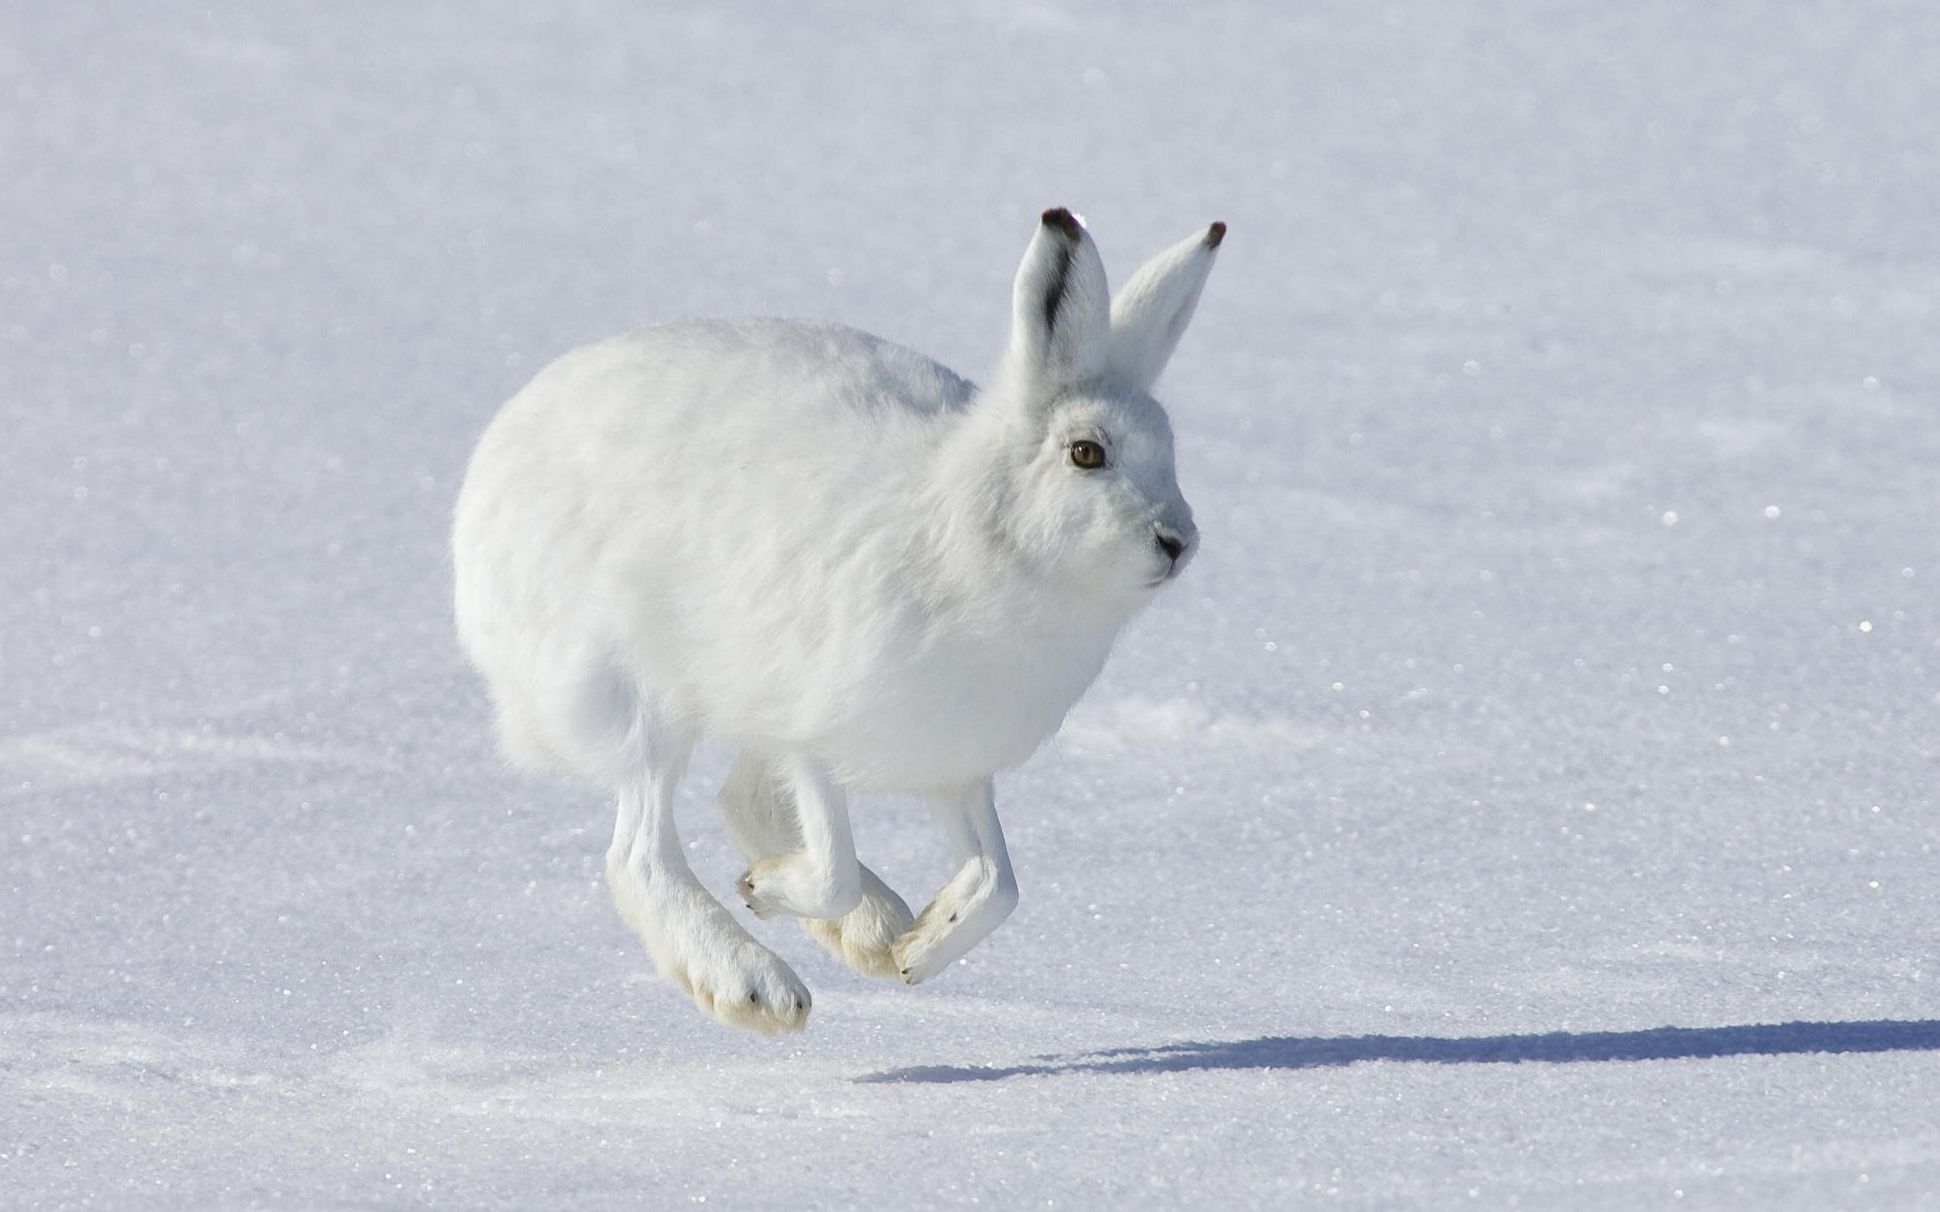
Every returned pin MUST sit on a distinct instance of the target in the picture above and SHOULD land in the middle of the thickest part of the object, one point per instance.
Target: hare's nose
(1170, 544)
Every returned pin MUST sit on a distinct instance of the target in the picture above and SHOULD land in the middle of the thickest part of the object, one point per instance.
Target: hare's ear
(1150, 315)
(1061, 307)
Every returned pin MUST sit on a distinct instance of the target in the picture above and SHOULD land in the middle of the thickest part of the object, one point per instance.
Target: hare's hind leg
(979, 897)
(758, 807)
(693, 940)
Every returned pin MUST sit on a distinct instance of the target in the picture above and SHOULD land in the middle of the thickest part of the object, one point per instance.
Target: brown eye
(1087, 455)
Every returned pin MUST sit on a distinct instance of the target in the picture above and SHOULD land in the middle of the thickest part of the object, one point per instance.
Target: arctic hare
(837, 554)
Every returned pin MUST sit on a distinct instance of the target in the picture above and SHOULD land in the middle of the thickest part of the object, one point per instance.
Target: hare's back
(790, 378)
(709, 423)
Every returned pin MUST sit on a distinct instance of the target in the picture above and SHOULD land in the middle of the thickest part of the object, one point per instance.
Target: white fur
(842, 557)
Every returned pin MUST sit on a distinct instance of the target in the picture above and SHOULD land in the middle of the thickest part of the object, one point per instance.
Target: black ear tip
(1064, 221)
(1215, 234)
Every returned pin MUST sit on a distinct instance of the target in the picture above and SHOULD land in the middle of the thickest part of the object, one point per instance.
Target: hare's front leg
(978, 898)
(822, 878)
(758, 808)
(694, 941)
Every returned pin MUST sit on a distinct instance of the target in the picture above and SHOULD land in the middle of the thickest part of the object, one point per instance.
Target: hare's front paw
(970, 906)
(864, 938)
(792, 883)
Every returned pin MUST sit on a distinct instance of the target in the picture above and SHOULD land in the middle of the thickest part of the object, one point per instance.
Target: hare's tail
(522, 739)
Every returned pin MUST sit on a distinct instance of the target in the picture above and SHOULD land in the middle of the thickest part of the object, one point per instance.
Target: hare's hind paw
(864, 937)
(773, 1003)
(697, 945)
(750, 988)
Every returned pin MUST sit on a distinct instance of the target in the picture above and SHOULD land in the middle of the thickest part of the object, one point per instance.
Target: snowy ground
(1528, 799)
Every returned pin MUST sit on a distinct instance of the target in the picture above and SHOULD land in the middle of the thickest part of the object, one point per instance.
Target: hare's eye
(1087, 455)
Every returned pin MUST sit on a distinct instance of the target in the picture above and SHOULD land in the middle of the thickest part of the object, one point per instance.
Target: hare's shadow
(1557, 1047)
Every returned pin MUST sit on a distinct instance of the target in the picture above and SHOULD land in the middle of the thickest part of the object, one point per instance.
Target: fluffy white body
(842, 557)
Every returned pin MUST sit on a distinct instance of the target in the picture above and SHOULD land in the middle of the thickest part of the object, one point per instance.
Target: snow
(1526, 799)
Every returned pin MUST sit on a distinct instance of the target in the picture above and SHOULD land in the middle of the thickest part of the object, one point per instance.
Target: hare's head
(1087, 481)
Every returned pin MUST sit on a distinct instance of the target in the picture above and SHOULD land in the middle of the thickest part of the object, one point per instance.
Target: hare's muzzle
(1175, 546)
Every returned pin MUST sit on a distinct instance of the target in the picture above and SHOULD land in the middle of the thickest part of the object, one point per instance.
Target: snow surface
(1527, 799)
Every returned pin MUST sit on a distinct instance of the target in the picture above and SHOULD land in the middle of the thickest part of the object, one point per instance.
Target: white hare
(835, 553)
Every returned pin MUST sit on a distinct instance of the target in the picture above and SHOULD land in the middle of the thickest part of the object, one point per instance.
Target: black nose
(1170, 546)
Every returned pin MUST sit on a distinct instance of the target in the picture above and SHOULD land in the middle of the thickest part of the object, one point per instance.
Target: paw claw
(781, 1012)
(758, 904)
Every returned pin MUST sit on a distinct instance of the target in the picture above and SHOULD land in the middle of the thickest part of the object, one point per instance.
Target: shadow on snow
(1557, 1047)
